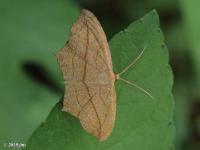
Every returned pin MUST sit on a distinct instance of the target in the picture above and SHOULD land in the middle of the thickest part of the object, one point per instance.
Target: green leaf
(31, 32)
(141, 123)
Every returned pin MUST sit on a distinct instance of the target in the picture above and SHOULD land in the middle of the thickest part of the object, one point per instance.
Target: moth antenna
(137, 86)
(134, 61)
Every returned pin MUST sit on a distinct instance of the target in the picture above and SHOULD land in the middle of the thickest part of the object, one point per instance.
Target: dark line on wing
(81, 57)
(100, 47)
(73, 66)
(84, 75)
(75, 89)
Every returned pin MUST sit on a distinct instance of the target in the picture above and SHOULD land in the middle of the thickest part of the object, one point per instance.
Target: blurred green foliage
(191, 20)
(31, 32)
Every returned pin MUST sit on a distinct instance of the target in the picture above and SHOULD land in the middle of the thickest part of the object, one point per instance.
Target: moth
(86, 64)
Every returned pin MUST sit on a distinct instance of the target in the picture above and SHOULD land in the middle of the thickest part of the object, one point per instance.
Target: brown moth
(87, 69)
